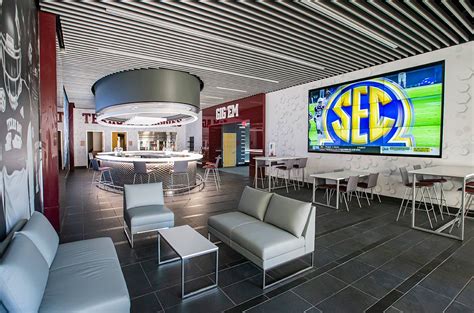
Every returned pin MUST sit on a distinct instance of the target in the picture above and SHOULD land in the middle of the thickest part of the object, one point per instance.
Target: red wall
(48, 111)
(250, 109)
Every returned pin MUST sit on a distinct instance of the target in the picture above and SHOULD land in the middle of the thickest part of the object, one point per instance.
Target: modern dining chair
(346, 191)
(370, 184)
(437, 181)
(420, 188)
(180, 168)
(300, 166)
(100, 174)
(140, 169)
(287, 167)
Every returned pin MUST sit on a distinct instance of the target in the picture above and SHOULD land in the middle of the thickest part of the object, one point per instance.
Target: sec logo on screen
(374, 112)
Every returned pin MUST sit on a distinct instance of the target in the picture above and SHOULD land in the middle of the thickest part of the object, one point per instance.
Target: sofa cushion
(42, 234)
(143, 195)
(78, 252)
(288, 214)
(225, 223)
(23, 276)
(254, 202)
(148, 215)
(264, 240)
(95, 286)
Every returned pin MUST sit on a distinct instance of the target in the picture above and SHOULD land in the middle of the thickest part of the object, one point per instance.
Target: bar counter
(159, 163)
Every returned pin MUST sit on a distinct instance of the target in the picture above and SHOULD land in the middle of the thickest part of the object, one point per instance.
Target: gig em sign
(371, 112)
(229, 111)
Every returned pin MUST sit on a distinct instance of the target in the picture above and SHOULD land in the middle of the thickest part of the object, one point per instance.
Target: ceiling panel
(243, 48)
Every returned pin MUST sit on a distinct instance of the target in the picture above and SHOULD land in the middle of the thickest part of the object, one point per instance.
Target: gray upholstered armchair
(144, 209)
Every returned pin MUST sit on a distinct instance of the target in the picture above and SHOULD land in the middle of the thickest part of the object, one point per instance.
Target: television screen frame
(381, 75)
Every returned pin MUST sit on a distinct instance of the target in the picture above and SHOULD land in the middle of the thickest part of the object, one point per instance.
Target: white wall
(81, 128)
(195, 129)
(286, 120)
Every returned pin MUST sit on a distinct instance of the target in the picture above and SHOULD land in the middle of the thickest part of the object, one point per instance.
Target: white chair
(180, 168)
(370, 184)
(346, 191)
(407, 197)
(287, 167)
(140, 169)
(91, 157)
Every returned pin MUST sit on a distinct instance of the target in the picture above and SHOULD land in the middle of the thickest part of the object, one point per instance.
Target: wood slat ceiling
(248, 46)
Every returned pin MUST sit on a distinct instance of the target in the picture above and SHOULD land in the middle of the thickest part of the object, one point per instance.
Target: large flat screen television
(398, 113)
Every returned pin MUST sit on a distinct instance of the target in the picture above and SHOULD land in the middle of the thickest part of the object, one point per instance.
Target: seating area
(236, 156)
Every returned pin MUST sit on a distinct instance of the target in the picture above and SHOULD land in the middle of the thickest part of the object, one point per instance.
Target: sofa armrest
(309, 232)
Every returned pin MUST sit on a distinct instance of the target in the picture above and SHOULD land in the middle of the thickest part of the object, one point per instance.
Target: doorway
(60, 150)
(119, 139)
(94, 144)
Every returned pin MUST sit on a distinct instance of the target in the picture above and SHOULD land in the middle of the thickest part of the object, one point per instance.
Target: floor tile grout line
(457, 295)
(228, 297)
(310, 304)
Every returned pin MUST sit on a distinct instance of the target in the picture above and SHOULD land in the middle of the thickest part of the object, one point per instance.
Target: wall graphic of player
(402, 79)
(19, 142)
(321, 104)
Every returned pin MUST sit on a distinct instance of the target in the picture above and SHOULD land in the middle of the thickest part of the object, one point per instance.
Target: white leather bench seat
(264, 240)
(227, 222)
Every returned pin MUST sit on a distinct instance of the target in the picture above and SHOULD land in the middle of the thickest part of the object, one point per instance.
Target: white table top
(340, 175)
(187, 242)
(446, 171)
(274, 158)
(161, 157)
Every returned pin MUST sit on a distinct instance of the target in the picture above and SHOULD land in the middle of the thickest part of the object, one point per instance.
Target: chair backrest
(139, 167)
(418, 167)
(218, 160)
(373, 178)
(91, 156)
(95, 164)
(302, 162)
(352, 183)
(142, 195)
(289, 164)
(404, 173)
(180, 167)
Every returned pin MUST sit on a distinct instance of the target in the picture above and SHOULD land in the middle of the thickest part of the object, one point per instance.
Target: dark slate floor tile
(466, 296)
(347, 300)
(377, 283)
(313, 310)
(137, 282)
(457, 307)
(401, 267)
(323, 256)
(208, 302)
(171, 296)
(351, 271)
(392, 310)
(420, 300)
(286, 302)
(245, 289)
(146, 304)
(237, 273)
(319, 288)
(448, 279)
(377, 256)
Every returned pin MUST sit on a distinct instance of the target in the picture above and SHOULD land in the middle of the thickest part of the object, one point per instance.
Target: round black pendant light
(147, 98)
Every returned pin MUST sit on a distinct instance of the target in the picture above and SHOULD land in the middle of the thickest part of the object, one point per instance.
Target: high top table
(338, 177)
(270, 159)
(463, 173)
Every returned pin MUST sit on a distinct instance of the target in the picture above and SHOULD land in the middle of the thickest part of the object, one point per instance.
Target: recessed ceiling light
(231, 89)
(201, 34)
(212, 97)
(352, 24)
(145, 57)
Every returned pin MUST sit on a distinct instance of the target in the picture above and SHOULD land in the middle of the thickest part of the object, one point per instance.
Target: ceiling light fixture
(315, 6)
(147, 98)
(231, 89)
(149, 58)
(201, 34)
(212, 97)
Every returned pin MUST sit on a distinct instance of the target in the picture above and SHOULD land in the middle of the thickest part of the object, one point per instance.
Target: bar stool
(212, 170)
(91, 157)
(470, 196)
(139, 169)
(369, 185)
(99, 172)
(301, 165)
(287, 166)
(180, 168)
(436, 181)
(260, 169)
(421, 186)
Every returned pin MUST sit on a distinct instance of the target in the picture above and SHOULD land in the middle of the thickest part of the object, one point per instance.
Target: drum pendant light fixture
(147, 98)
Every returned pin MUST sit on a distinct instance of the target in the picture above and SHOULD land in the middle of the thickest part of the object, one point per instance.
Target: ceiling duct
(147, 98)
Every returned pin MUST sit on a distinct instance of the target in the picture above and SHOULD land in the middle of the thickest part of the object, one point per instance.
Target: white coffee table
(187, 243)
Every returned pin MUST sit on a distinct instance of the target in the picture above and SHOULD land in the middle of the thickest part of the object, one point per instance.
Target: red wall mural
(250, 109)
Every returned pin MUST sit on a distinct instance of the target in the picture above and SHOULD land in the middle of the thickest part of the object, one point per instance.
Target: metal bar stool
(212, 171)
(436, 181)
(287, 167)
(370, 184)
(301, 166)
(99, 172)
(139, 169)
(180, 168)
